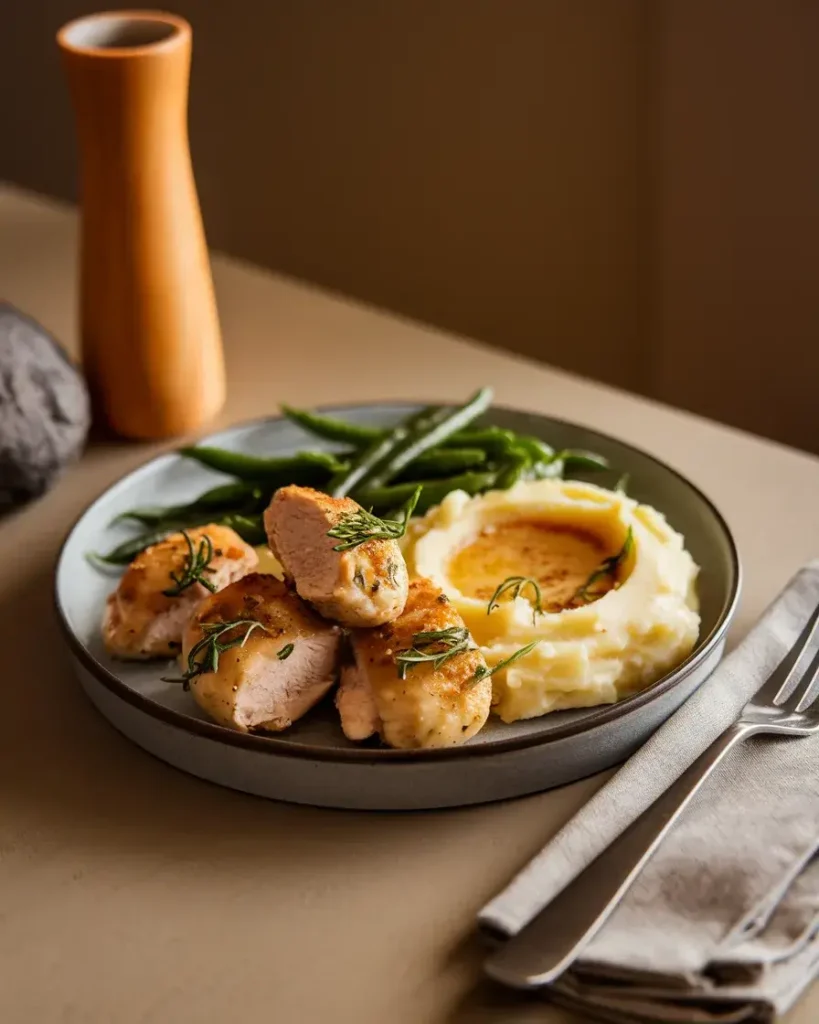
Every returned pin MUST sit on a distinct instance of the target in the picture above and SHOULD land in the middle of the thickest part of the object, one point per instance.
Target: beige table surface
(130, 892)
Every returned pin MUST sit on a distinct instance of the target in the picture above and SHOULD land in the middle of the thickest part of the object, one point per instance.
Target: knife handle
(556, 937)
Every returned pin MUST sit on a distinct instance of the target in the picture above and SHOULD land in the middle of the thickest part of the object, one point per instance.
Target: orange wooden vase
(152, 349)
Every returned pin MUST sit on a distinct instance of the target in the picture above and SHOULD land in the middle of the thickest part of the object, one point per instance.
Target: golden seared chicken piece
(257, 657)
(365, 585)
(147, 613)
(430, 706)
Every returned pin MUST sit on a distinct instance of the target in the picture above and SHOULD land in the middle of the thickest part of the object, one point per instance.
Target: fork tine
(807, 686)
(778, 687)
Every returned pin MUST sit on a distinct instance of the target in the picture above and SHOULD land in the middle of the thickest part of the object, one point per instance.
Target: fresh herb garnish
(197, 563)
(483, 672)
(622, 484)
(437, 646)
(285, 652)
(516, 584)
(357, 527)
(608, 567)
(211, 646)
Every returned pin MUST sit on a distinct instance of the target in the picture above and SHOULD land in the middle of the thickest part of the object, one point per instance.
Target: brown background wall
(737, 326)
(628, 189)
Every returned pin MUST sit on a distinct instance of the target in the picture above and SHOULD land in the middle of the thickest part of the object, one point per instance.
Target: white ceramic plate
(312, 762)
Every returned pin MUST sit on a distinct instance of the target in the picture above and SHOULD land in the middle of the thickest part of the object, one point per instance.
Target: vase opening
(118, 32)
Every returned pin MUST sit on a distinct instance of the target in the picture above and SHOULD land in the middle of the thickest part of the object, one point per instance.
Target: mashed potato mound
(636, 624)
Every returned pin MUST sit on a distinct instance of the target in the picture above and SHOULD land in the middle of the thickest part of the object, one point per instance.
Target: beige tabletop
(130, 892)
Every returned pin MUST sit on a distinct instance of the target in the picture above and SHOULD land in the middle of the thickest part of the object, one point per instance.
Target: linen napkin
(721, 926)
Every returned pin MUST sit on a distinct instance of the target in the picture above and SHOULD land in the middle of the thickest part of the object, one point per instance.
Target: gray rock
(44, 409)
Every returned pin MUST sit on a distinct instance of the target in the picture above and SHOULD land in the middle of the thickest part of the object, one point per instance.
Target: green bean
(250, 528)
(310, 468)
(433, 491)
(360, 468)
(427, 417)
(225, 496)
(146, 516)
(126, 552)
(436, 462)
(184, 520)
(343, 482)
(566, 461)
(512, 469)
(333, 429)
(577, 460)
(229, 494)
(430, 430)
(493, 440)
(537, 450)
(177, 516)
(443, 462)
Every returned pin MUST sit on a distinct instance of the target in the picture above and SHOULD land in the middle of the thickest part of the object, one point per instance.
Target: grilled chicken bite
(147, 613)
(271, 666)
(356, 704)
(365, 585)
(429, 707)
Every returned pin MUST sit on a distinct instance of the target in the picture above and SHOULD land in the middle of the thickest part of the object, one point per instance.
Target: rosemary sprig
(285, 652)
(211, 646)
(197, 563)
(483, 672)
(357, 527)
(516, 584)
(608, 567)
(437, 646)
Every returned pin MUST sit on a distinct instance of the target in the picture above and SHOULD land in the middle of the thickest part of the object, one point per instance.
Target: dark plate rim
(289, 748)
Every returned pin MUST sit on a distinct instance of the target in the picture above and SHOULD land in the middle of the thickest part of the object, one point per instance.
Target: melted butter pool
(561, 559)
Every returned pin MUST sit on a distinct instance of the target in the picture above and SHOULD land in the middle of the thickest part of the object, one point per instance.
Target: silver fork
(785, 705)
